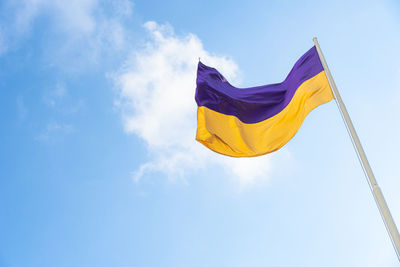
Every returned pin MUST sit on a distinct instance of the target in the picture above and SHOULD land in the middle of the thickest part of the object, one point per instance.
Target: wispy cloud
(82, 31)
(53, 97)
(156, 99)
(22, 110)
(3, 47)
(60, 100)
(55, 131)
(80, 34)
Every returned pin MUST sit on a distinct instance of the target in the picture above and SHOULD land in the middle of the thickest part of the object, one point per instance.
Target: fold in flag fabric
(248, 122)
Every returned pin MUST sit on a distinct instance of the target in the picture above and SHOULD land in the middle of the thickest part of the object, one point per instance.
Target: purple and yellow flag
(255, 121)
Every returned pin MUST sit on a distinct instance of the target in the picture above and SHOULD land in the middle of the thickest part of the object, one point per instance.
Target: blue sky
(98, 163)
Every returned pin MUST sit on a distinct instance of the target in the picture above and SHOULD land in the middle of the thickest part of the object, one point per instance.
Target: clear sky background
(98, 162)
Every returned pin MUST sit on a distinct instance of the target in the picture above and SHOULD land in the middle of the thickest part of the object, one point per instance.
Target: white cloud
(80, 32)
(156, 98)
(75, 15)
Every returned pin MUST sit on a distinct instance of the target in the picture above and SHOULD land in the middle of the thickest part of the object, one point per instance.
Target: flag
(248, 122)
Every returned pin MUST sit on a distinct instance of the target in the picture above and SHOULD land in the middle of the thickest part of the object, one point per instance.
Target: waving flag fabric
(254, 121)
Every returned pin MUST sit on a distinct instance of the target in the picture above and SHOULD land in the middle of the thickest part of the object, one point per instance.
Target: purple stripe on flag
(254, 104)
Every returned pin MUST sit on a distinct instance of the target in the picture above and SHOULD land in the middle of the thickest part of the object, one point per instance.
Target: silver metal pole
(376, 191)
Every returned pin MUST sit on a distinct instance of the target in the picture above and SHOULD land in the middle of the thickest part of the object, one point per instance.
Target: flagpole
(375, 189)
